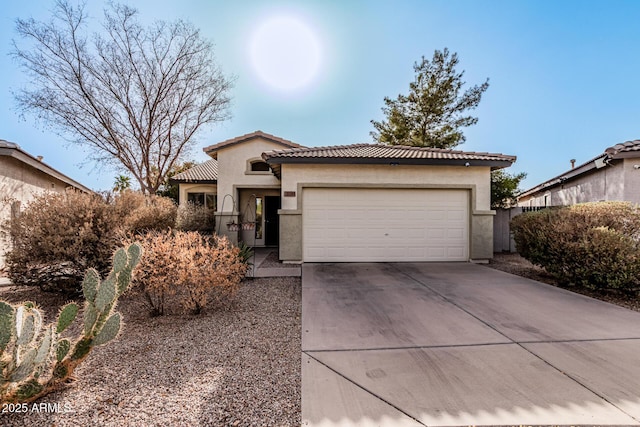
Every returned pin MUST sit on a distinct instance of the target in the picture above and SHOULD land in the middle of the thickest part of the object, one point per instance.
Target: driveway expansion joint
(380, 398)
(520, 344)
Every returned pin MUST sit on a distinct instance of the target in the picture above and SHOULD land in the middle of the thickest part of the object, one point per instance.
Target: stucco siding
(605, 184)
(632, 180)
(20, 183)
(386, 175)
(475, 180)
(232, 167)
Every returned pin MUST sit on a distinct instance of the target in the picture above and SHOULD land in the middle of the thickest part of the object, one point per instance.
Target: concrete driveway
(444, 344)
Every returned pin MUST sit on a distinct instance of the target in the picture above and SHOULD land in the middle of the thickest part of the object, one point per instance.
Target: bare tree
(136, 96)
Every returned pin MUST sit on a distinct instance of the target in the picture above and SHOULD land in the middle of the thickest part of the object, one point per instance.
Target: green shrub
(596, 245)
(36, 360)
(188, 269)
(194, 217)
(58, 236)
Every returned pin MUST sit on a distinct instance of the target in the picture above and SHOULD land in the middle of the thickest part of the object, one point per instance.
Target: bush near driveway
(188, 269)
(596, 245)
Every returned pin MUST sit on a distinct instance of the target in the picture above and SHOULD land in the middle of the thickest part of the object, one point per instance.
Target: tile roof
(7, 144)
(257, 134)
(379, 151)
(625, 147)
(383, 154)
(207, 171)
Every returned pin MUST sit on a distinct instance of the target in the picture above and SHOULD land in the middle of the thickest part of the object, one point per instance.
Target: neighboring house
(22, 177)
(359, 202)
(613, 175)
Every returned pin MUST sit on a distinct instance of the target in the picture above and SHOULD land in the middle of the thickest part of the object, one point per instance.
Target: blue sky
(564, 79)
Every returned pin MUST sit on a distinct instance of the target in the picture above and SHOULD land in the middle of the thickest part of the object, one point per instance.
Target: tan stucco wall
(22, 183)
(446, 176)
(295, 177)
(232, 168)
(605, 184)
(234, 173)
(632, 180)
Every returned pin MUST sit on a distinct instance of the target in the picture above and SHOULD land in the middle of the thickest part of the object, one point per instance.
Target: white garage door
(375, 225)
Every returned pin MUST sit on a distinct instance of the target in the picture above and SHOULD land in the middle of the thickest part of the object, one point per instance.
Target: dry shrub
(194, 217)
(59, 236)
(188, 268)
(596, 245)
(140, 213)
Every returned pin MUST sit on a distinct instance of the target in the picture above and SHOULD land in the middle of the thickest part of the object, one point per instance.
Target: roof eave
(212, 150)
(18, 154)
(567, 176)
(192, 181)
(272, 160)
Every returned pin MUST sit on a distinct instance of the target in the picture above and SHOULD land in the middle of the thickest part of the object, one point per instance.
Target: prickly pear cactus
(34, 359)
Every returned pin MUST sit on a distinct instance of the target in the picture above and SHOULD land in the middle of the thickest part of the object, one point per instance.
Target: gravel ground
(237, 367)
(515, 264)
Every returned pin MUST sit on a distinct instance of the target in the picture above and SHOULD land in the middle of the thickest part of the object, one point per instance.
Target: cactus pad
(135, 252)
(120, 260)
(45, 347)
(6, 324)
(62, 349)
(82, 348)
(25, 368)
(28, 390)
(90, 319)
(109, 330)
(90, 284)
(124, 278)
(25, 329)
(66, 317)
(106, 294)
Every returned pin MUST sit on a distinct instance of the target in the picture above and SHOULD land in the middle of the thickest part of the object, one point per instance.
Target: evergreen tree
(433, 113)
(504, 188)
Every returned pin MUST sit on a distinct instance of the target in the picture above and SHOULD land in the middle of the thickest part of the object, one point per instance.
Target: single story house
(22, 177)
(611, 176)
(351, 203)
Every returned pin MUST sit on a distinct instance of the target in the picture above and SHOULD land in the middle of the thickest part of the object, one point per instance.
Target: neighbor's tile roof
(207, 171)
(257, 134)
(379, 151)
(625, 147)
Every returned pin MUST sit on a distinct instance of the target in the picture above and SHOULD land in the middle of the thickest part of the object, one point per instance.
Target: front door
(271, 220)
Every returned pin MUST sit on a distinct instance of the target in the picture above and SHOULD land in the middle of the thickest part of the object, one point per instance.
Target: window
(196, 198)
(208, 200)
(15, 209)
(258, 218)
(259, 166)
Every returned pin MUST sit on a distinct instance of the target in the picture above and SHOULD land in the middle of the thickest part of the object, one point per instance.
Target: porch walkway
(270, 269)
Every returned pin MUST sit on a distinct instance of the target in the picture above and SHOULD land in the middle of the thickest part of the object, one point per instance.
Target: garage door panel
(342, 224)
